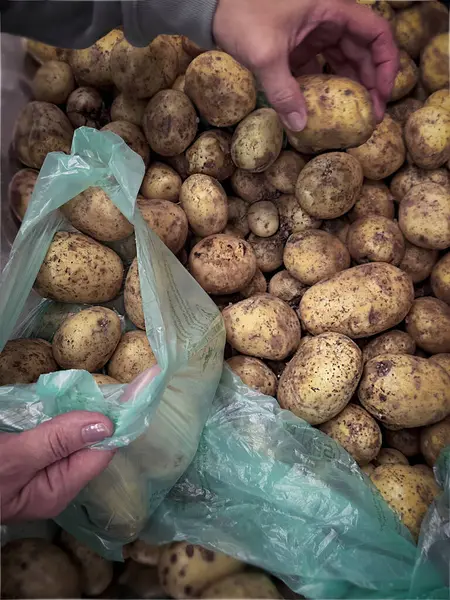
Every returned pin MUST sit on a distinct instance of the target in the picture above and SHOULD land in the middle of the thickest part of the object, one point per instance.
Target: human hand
(44, 468)
(280, 39)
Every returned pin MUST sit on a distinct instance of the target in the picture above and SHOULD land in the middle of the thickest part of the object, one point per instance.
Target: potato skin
(439, 98)
(433, 439)
(128, 109)
(237, 216)
(268, 251)
(253, 187)
(427, 136)
(361, 301)
(132, 296)
(440, 279)
(258, 285)
(132, 356)
(356, 431)
(428, 323)
(222, 264)
(376, 239)
(210, 154)
(284, 172)
(262, 326)
(254, 373)
(410, 30)
(321, 378)
(330, 127)
(79, 269)
(101, 379)
(167, 220)
(287, 288)
(242, 585)
(132, 136)
(42, 53)
(293, 218)
(92, 66)
(374, 199)
(390, 456)
(409, 176)
(20, 189)
(263, 218)
(434, 63)
(400, 111)
(24, 360)
(407, 77)
(205, 203)
(391, 342)
(338, 227)
(406, 441)
(85, 107)
(161, 182)
(418, 262)
(405, 391)
(53, 82)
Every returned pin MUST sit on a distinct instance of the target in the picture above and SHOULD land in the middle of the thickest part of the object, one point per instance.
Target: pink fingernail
(295, 121)
(94, 433)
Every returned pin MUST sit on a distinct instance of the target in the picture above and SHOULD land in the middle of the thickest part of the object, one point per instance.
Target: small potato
(237, 216)
(434, 63)
(405, 391)
(132, 136)
(321, 378)
(356, 431)
(258, 285)
(128, 109)
(204, 201)
(85, 107)
(254, 373)
(180, 164)
(143, 553)
(401, 110)
(411, 30)
(262, 326)
(78, 269)
(434, 439)
(390, 456)
(284, 172)
(23, 361)
(406, 441)
(20, 190)
(242, 585)
(263, 218)
(101, 379)
(198, 566)
(161, 182)
(53, 82)
(132, 356)
(167, 220)
(440, 279)
(223, 90)
(424, 216)
(329, 185)
(391, 342)
(374, 199)
(42, 53)
(252, 187)
(314, 255)
(410, 176)
(92, 66)
(407, 77)
(287, 288)
(428, 323)
(383, 153)
(440, 98)
(179, 83)
(427, 136)
(210, 154)
(257, 141)
(87, 339)
(376, 239)
(418, 262)
(268, 251)
(132, 296)
(338, 227)
(361, 301)
(293, 218)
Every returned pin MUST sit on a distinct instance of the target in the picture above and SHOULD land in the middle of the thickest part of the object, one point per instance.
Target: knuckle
(58, 444)
(282, 98)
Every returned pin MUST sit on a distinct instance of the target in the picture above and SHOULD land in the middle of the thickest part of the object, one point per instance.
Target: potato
(258, 285)
(44, 52)
(429, 481)
(376, 239)
(368, 469)
(390, 456)
(418, 262)
(262, 326)
(132, 136)
(143, 553)
(403, 488)
(205, 203)
(128, 109)
(222, 264)
(161, 182)
(434, 63)
(254, 373)
(210, 154)
(383, 153)
(179, 83)
(101, 379)
(41, 128)
(242, 585)
(85, 107)
(96, 573)
(407, 77)
(237, 216)
(142, 72)
(405, 391)
(186, 50)
(87, 339)
(401, 110)
(411, 30)
(443, 360)
(427, 136)
(329, 185)
(20, 190)
(167, 220)
(338, 227)
(263, 218)
(132, 356)
(24, 360)
(314, 255)
(223, 91)
(391, 342)
(170, 122)
(406, 441)
(287, 288)
(32, 568)
(53, 82)
(132, 296)
(361, 301)
(78, 269)
(434, 439)
(440, 98)
(284, 172)
(93, 65)
(374, 199)
(293, 218)
(321, 378)
(440, 279)
(268, 251)
(126, 249)
(409, 176)
(428, 323)
(424, 216)
(257, 141)
(340, 114)
(252, 187)
(180, 164)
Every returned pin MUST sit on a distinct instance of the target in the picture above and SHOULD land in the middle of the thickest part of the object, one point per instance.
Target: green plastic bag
(157, 424)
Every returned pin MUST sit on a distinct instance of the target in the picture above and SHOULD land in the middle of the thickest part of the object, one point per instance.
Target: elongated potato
(361, 301)
(374, 199)
(293, 218)
(440, 279)
(376, 239)
(92, 66)
(205, 203)
(427, 136)
(433, 439)
(418, 262)
(132, 356)
(132, 136)
(391, 342)
(210, 154)
(167, 220)
(253, 187)
(284, 172)
(24, 360)
(268, 251)
(434, 63)
(161, 182)
(428, 323)
(254, 373)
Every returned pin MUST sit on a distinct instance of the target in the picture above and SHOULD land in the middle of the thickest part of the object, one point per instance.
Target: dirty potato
(132, 136)
(440, 279)
(128, 109)
(410, 30)
(427, 136)
(258, 285)
(161, 182)
(167, 220)
(210, 154)
(24, 360)
(268, 251)
(406, 441)
(440, 98)
(338, 227)
(253, 187)
(254, 373)
(101, 379)
(428, 323)
(242, 585)
(374, 199)
(410, 175)
(293, 218)
(443, 360)
(418, 262)
(132, 356)
(85, 107)
(390, 456)
(287, 288)
(132, 296)
(263, 218)
(42, 53)
(284, 172)
(376, 239)
(237, 216)
(92, 66)
(53, 82)
(434, 63)
(407, 77)
(20, 190)
(400, 111)
(204, 201)
(391, 342)
(434, 439)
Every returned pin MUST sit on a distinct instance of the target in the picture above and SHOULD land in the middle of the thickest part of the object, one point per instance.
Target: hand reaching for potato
(276, 39)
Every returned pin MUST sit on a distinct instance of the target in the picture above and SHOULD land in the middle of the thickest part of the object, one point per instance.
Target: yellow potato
(418, 262)
(101, 379)
(161, 182)
(258, 285)
(440, 279)
(43, 52)
(242, 585)
(411, 175)
(210, 154)
(338, 227)
(428, 323)
(406, 441)
(205, 203)
(132, 136)
(390, 456)
(429, 480)
(293, 218)
(443, 360)
(361, 301)
(254, 373)
(20, 190)
(132, 356)
(374, 199)
(268, 251)
(93, 66)
(167, 220)
(263, 218)
(376, 239)
(284, 172)
(252, 187)
(391, 342)
(411, 30)
(321, 378)
(434, 63)
(128, 109)
(76, 269)
(23, 361)
(237, 216)
(53, 82)
(262, 326)
(132, 296)
(440, 98)
(427, 136)
(402, 109)
(85, 107)
(407, 77)
(405, 391)
(434, 439)
(287, 288)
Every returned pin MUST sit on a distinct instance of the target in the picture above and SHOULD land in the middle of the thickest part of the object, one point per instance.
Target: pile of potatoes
(327, 251)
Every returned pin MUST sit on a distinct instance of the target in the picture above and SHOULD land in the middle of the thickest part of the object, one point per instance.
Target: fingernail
(94, 433)
(295, 121)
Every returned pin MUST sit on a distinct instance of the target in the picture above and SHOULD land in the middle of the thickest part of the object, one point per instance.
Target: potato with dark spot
(53, 82)
(359, 302)
(132, 356)
(161, 182)
(258, 285)
(407, 77)
(167, 220)
(374, 199)
(410, 176)
(428, 323)
(390, 456)
(20, 190)
(210, 154)
(427, 137)
(93, 66)
(237, 216)
(132, 136)
(391, 342)
(268, 251)
(293, 218)
(376, 239)
(406, 441)
(263, 218)
(440, 279)
(85, 107)
(132, 296)
(185, 570)
(254, 373)
(242, 585)
(101, 379)
(287, 288)
(434, 63)
(434, 439)
(223, 90)
(439, 98)
(284, 172)
(405, 391)
(338, 227)
(78, 269)
(418, 262)
(262, 326)
(128, 109)
(253, 187)
(329, 185)
(24, 360)
(400, 111)
(321, 378)
(222, 264)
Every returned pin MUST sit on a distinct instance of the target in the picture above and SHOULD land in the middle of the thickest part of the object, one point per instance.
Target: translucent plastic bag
(269, 489)
(157, 424)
